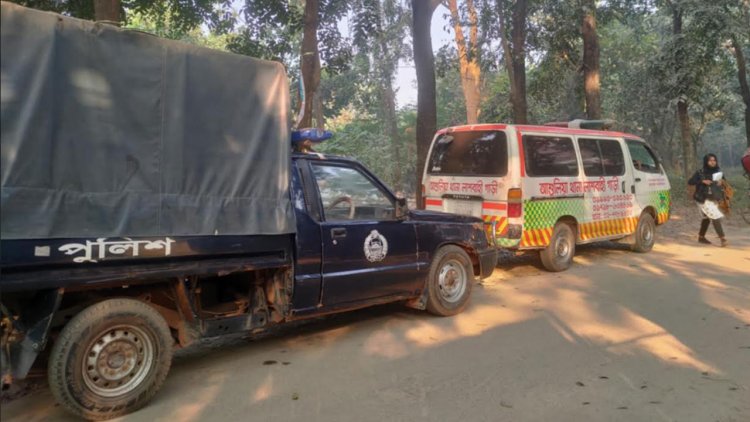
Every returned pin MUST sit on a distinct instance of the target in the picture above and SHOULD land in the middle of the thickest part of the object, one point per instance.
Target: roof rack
(604, 124)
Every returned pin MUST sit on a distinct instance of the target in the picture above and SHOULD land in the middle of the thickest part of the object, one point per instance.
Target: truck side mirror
(402, 208)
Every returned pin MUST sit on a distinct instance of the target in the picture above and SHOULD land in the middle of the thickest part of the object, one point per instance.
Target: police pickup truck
(134, 222)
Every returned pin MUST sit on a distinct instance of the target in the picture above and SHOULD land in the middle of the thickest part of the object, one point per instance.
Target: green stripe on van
(543, 213)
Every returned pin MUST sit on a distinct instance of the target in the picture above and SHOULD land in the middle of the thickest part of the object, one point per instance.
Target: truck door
(367, 252)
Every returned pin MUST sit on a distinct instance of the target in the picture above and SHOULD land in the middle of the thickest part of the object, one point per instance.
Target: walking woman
(708, 192)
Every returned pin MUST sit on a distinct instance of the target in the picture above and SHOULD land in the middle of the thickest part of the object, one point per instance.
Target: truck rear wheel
(645, 234)
(449, 282)
(110, 359)
(558, 255)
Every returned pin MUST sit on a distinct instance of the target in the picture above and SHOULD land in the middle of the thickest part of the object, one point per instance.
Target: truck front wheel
(450, 281)
(110, 359)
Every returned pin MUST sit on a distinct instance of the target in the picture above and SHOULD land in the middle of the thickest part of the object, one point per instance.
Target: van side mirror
(402, 208)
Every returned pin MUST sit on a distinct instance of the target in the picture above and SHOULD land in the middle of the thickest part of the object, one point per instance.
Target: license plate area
(472, 207)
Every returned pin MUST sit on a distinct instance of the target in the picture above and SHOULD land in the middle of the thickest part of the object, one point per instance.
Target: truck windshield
(471, 153)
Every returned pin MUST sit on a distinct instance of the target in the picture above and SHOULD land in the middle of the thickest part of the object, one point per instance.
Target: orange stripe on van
(434, 202)
(495, 206)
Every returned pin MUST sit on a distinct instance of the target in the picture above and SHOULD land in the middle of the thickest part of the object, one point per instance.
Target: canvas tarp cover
(109, 132)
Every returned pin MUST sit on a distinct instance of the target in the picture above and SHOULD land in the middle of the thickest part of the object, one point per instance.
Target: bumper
(487, 262)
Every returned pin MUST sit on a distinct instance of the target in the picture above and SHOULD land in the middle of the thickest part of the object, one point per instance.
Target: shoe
(724, 242)
(702, 239)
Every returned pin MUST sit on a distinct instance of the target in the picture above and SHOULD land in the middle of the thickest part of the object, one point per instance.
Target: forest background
(671, 71)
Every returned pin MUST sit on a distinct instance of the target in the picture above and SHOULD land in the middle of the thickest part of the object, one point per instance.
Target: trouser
(717, 226)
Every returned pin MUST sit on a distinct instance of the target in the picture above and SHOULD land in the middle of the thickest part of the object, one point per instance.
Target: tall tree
(512, 30)
(468, 58)
(379, 29)
(518, 58)
(424, 62)
(738, 16)
(686, 140)
(744, 88)
(591, 60)
(310, 60)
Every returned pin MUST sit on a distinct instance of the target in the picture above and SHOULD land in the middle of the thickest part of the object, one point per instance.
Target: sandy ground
(663, 336)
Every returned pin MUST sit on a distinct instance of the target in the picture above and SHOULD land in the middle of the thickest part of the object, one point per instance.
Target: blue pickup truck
(151, 198)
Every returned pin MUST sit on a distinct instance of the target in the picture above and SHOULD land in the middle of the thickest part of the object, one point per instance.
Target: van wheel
(645, 234)
(110, 359)
(449, 282)
(558, 255)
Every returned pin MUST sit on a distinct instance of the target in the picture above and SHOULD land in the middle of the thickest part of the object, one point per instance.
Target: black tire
(449, 282)
(645, 234)
(558, 255)
(110, 359)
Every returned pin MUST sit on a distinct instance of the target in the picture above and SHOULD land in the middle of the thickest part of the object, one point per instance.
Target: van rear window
(472, 153)
(549, 156)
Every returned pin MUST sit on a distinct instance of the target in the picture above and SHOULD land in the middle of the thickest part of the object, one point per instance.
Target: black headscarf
(710, 170)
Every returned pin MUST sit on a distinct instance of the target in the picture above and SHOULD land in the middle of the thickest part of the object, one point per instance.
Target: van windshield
(472, 153)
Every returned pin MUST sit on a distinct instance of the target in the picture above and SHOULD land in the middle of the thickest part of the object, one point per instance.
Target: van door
(650, 183)
(610, 203)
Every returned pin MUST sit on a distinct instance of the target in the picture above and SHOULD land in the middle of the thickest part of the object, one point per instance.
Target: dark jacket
(714, 191)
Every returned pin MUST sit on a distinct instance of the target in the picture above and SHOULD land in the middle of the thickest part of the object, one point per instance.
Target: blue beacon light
(310, 134)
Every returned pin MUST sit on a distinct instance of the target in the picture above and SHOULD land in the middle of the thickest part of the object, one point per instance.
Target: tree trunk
(507, 55)
(518, 88)
(424, 62)
(310, 62)
(108, 11)
(688, 151)
(386, 68)
(686, 140)
(468, 59)
(591, 61)
(744, 88)
(320, 120)
(391, 121)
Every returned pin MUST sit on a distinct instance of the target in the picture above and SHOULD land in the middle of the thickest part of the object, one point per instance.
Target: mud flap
(28, 335)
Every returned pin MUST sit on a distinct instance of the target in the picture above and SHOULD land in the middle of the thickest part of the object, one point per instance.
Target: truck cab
(357, 243)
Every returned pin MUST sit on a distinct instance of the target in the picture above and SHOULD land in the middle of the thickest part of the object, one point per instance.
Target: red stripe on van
(520, 153)
(494, 206)
(435, 202)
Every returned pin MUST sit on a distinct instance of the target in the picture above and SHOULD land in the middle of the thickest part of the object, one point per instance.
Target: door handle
(623, 187)
(637, 179)
(338, 232)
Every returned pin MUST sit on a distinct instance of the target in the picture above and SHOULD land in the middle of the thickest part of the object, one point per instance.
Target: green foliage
(645, 67)
(164, 29)
(359, 135)
(182, 16)
(272, 30)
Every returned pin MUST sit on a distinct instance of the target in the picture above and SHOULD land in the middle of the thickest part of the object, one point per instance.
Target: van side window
(643, 159)
(549, 156)
(602, 157)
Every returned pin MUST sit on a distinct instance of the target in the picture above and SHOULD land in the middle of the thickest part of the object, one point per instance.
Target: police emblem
(376, 247)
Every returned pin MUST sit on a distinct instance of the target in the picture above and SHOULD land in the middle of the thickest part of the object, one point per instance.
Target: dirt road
(663, 336)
